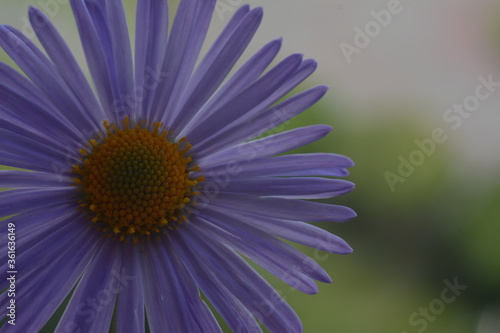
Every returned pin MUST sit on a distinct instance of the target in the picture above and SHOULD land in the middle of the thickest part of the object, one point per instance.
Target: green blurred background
(440, 222)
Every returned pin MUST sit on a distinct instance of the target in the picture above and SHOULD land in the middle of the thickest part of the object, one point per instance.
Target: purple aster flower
(148, 188)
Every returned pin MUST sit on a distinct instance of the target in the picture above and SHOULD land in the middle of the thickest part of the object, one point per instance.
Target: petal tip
(259, 11)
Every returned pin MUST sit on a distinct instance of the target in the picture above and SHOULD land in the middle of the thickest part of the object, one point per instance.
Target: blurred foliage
(481, 237)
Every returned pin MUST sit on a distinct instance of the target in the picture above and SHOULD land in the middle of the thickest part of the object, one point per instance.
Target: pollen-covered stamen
(135, 181)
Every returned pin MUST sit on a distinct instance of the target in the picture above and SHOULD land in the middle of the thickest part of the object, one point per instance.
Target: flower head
(147, 188)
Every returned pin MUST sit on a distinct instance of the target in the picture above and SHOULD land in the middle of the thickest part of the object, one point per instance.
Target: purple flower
(149, 187)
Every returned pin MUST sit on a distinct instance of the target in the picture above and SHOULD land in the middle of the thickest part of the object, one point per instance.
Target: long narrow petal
(278, 258)
(66, 63)
(130, 304)
(295, 210)
(120, 43)
(17, 144)
(246, 100)
(32, 229)
(96, 58)
(266, 147)
(209, 58)
(39, 157)
(150, 44)
(16, 201)
(108, 19)
(184, 310)
(44, 75)
(198, 33)
(220, 42)
(241, 79)
(186, 38)
(18, 107)
(290, 187)
(246, 129)
(209, 76)
(91, 306)
(298, 232)
(16, 179)
(227, 304)
(21, 85)
(283, 112)
(15, 125)
(201, 314)
(166, 308)
(42, 290)
(314, 164)
(17, 161)
(252, 290)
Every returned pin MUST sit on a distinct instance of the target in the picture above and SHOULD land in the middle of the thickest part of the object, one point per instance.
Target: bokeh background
(440, 220)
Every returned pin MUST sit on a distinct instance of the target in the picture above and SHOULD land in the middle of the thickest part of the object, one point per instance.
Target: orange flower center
(135, 182)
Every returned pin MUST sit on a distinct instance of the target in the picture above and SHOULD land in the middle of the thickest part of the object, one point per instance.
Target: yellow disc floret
(135, 181)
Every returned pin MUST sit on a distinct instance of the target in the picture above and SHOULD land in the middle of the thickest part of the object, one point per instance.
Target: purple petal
(295, 210)
(66, 63)
(96, 54)
(20, 104)
(306, 68)
(186, 38)
(290, 187)
(212, 72)
(251, 289)
(166, 308)
(21, 128)
(16, 161)
(37, 224)
(244, 76)
(226, 303)
(16, 201)
(30, 149)
(319, 164)
(245, 101)
(221, 42)
(130, 303)
(21, 85)
(246, 129)
(198, 34)
(16, 179)
(298, 232)
(45, 286)
(121, 49)
(278, 258)
(209, 58)
(150, 45)
(44, 75)
(266, 147)
(108, 19)
(91, 306)
(188, 304)
(33, 227)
